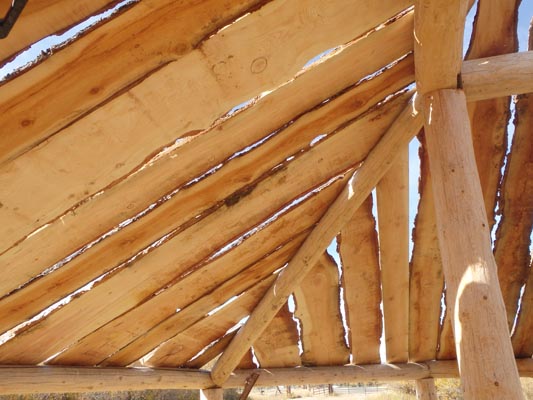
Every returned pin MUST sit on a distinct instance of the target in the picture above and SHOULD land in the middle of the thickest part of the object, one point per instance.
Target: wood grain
(358, 188)
(257, 53)
(393, 217)
(426, 278)
(467, 259)
(358, 249)
(494, 34)
(156, 269)
(94, 218)
(522, 341)
(278, 345)
(425, 389)
(188, 202)
(317, 300)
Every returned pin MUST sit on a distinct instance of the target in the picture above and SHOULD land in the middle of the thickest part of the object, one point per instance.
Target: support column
(425, 389)
(211, 394)
(485, 355)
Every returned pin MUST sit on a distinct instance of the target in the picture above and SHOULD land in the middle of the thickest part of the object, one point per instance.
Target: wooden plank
(282, 229)
(155, 270)
(247, 361)
(498, 76)
(358, 249)
(277, 347)
(157, 320)
(522, 340)
(426, 278)
(184, 346)
(393, 218)
(228, 69)
(317, 301)
(212, 351)
(468, 262)
(516, 202)
(438, 38)
(357, 189)
(51, 95)
(94, 218)
(425, 389)
(186, 204)
(42, 18)
(494, 33)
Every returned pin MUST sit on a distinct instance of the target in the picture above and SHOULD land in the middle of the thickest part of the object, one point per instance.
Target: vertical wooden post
(485, 355)
(211, 394)
(425, 389)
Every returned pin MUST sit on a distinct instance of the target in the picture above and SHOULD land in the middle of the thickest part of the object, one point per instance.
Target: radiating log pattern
(393, 217)
(318, 309)
(161, 266)
(94, 152)
(278, 345)
(96, 217)
(358, 249)
(230, 136)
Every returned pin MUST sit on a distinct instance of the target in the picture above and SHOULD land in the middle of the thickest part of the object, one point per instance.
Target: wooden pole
(47, 379)
(356, 191)
(498, 76)
(484, 351)
(211, 394)
(425, 389)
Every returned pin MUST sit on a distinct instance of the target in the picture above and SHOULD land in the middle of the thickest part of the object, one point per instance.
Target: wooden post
(211, 394)
(485, 355)
(425, 389)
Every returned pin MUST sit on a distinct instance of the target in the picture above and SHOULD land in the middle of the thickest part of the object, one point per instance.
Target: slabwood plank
(178, 350)
(494, 34)
(255, 54)
(426, 278)
(317, 300)
(358, 188)
(513, 235)
(126, 288)
(211, 352)
(393, 218)
(94, 218)
(51, 95)
(193, 295)
(190, 202)
(297, 220)
(358, 249)
(468, 263)
(42, 18)
(278, 345)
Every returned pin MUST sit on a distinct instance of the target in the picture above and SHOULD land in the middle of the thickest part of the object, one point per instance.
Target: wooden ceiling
(171, 159)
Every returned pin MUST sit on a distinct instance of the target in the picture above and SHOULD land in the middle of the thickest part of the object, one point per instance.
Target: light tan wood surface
(317, 300)
(393, 217)
(211, 394)
(93, 218)
(470, 270)
(277, 347)
(358, 188)
(358, 250)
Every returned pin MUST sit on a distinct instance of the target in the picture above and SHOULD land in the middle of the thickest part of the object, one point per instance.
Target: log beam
(406, 126)
(498, 76)
(47, 379)
(425, 389)
(486, 360)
